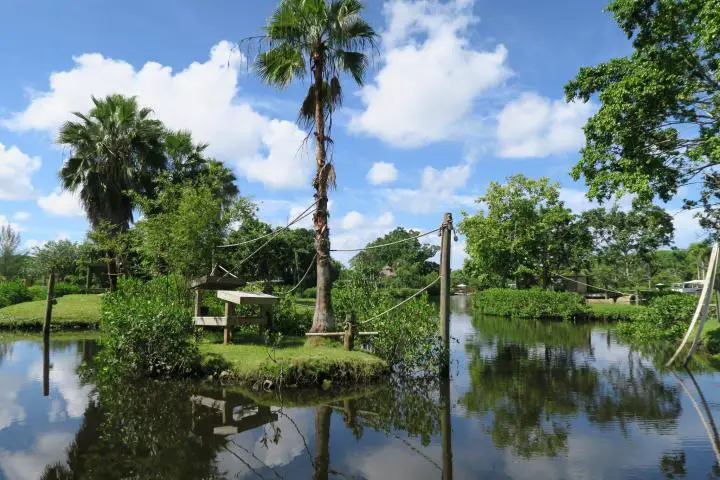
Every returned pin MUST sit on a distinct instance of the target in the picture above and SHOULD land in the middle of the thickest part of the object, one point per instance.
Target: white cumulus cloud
(535, 126)
(202, 98)
(382, 172)
(21, 216)
(438, 190)
(431, 76)
(352, 220)
(61, 204)
(16, 170)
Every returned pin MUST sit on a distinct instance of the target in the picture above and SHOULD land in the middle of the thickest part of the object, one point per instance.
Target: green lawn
(300, 364)
(71, 311)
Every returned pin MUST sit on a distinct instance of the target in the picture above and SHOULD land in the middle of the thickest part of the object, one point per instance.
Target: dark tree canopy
(408, 261)
(625, 243)
(657, 127)
(115, 149)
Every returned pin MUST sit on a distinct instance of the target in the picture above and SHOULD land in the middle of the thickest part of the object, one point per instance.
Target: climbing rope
(275, 234)
(312, 262)
(401, 303)
(588, 285)
(305, 213)
(385, 244)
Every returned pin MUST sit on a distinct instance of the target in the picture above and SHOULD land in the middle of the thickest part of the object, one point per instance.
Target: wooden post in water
(445, 235)
(46, 333)
(446, 429)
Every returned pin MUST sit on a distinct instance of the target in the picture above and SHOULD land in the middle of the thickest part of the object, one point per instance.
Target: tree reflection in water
(531, 389)
(530, 382)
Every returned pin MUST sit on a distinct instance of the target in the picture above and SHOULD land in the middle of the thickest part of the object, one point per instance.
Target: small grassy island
(294, 363)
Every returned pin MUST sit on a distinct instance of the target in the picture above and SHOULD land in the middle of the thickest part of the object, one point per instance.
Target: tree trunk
(323, 320)
(322, 443)
(112, 274)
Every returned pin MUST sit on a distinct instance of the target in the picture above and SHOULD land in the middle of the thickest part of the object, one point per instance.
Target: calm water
(526, 401)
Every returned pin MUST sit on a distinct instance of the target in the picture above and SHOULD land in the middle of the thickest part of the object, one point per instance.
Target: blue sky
(462, 93)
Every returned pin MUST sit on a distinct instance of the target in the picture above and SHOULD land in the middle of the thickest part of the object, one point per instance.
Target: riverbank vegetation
(531, 303)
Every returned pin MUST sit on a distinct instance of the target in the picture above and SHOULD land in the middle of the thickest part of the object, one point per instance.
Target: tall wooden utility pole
(446, 237)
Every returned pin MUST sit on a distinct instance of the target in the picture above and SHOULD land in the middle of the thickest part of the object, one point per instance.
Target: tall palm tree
(324, 38)
(116, 150)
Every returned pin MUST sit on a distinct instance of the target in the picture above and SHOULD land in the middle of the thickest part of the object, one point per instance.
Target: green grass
(613, 311)
(70, 312)
(293, 362)
(62, 336)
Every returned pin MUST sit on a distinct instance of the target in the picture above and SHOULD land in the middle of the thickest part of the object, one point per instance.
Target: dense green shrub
(148, 329)
(13, 292)
(666, 318)
(407, 337)
(309, 292)
(530, 303)
(290, 320)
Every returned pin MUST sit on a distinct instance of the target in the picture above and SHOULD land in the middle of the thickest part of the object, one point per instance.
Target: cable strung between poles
(312, 262)
(275, 234)
(588, 285)
(401, 303)
(384, 244)
(301, 216)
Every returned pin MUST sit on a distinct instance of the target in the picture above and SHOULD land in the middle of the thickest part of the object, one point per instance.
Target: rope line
(384, 244)
(301, 216)
(275, 234)
(588, 285)
(312, 262)
(401, 303)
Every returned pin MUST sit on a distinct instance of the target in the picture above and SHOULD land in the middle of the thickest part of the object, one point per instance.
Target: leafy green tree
(409, 261)
(59, 256)
(658, 123)
(187, 223)
(626, 242)
(325, 39)
(11, 260)
(115, 149)
(526, 234)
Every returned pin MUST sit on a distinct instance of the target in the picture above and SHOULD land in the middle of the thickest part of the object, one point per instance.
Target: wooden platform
(247, 298)
(232, 298)
(225, 321)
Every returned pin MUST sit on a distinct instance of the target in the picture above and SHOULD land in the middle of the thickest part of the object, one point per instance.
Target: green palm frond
(280, 65)
(115, 148)
(353, 63)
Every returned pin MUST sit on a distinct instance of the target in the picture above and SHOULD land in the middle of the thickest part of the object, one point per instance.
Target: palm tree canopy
(187, 162)
(115, 149)
(305, 35)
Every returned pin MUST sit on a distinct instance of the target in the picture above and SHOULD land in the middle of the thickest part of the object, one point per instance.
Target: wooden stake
(198, 302)
(446, 429)
(445, 233)
(46, 334)
(49, 304)
(349, 338)
(229, 312)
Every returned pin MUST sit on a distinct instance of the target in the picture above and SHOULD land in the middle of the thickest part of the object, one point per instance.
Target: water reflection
(530, 400)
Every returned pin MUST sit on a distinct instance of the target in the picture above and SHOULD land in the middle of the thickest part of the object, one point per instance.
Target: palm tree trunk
(322, 443)
(323, 319)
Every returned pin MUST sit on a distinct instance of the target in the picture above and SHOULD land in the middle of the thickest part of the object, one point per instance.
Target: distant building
(388, 272)
(575, 283)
